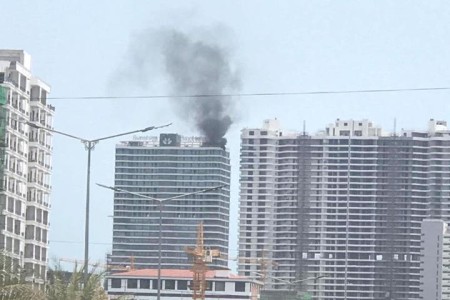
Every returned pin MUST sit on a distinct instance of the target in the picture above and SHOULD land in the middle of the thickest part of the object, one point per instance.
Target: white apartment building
(25, 164)
(435, 271)
(175, 285)
(346, 203)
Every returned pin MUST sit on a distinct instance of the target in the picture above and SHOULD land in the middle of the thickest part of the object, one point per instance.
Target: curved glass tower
(164, 167)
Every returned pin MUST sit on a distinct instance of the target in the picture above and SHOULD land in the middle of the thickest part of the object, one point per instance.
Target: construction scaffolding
(396, 206)
(3, 123)
(303, 208)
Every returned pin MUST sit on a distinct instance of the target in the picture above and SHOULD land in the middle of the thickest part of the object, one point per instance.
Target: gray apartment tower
(346, 203)
(164, 167)
(25, 165)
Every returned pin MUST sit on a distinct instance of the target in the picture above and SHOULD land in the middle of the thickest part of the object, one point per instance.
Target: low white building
(435, 262)
(142, 285)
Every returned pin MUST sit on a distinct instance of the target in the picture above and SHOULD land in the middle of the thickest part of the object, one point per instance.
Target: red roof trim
(176, 273)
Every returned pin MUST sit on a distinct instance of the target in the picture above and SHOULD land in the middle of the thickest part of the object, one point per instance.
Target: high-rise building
(25, 164)
(160, 168)
(435, 268)
(346, 203)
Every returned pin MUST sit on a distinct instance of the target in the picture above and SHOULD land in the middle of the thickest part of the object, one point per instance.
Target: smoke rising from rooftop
(202, 67)
(194, 64)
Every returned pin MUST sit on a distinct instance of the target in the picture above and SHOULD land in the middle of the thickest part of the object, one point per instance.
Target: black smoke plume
(195, 64)
(201, 67)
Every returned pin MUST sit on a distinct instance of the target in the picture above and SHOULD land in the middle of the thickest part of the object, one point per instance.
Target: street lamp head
(148, 128)
(33, 125)
(219, 187)
(155, 127)
(107, 187)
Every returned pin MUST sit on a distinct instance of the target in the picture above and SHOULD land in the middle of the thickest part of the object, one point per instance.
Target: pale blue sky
(281, 46)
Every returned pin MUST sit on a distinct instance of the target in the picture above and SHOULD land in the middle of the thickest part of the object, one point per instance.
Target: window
(144, 284)
(155, 283)
(182, 285)
(169, 284)
(219, 286)
(10, 204)
(239, 286)
(132, 283)
(17, 227)
(116, 283)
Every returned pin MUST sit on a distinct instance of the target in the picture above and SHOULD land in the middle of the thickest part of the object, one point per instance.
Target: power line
(97, 243)
(255, 94)
(78, 242)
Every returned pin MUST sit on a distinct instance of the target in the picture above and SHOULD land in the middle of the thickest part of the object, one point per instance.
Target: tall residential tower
(25, 164)
(435, 268)
(165, 167)
(346, 203)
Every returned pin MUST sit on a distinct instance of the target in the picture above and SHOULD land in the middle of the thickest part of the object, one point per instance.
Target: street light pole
(89, 145)
(160, 205)
(159, 250)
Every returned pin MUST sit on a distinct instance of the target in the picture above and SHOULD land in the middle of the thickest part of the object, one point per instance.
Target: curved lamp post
(89, 146)
(160, 205)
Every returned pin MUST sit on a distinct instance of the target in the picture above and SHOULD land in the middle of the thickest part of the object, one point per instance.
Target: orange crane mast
(201, 256)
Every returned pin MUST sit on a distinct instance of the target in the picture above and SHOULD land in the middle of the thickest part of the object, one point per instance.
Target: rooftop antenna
(304, 127)
(395, 126)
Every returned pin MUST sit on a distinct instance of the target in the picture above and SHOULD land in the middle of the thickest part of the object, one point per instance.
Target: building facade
(175, 285)
(25, 162)
(164, 167)
(346, 203)
(435, 267)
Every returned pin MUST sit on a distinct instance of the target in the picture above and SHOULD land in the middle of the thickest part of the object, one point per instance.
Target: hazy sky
(280, 46)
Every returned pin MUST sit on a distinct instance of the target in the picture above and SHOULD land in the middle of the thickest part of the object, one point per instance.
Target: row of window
(170, 166)
(171, 284)
(173, 158)
(165, 151)
(144, 168)
(180, 177)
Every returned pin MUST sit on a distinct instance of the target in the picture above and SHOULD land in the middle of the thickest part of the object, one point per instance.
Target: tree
(12, 281)
(306, 296)
(65, 285)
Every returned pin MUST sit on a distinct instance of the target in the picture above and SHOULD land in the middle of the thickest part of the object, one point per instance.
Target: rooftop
(178, 273)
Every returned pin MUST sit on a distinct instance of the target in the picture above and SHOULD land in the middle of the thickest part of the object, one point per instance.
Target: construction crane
(263, 262)
(201, 256)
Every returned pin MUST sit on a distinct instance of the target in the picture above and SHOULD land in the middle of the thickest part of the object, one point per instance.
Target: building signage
(169, 140)
(145, 138)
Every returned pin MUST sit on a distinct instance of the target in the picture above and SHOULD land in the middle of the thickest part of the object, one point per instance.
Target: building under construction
(346, 204)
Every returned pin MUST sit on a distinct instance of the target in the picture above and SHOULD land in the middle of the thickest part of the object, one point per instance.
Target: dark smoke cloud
(202, 67)
(194, 64)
